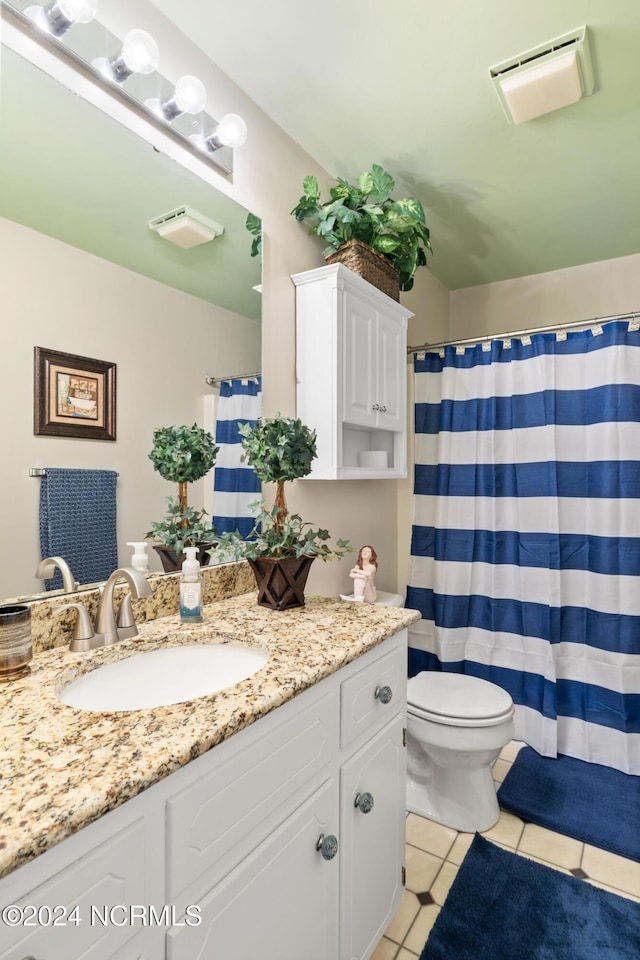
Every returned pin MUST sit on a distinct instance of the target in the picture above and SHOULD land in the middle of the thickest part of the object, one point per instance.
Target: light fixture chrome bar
(222, 160)
(555, 328)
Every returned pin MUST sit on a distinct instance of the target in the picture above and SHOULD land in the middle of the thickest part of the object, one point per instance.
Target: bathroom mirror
(82, 273)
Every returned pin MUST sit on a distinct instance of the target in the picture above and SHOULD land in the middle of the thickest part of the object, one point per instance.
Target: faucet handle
(126, 623)
(84, 636)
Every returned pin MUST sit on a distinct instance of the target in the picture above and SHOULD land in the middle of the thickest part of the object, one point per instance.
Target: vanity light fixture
(189, 96)
(139, 54)
(59, 15)
(177, 109)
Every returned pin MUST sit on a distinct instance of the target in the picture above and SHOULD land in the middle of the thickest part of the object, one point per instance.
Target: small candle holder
(16, 650)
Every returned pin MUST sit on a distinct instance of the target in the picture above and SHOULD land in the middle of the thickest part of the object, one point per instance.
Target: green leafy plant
(280, 449)
(254, 226)
(279, 537)
(395, 228)
(182, 455)
(181, 528)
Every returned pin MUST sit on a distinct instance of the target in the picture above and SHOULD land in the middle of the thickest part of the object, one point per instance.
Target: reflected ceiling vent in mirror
(551, 76)
(186, 227)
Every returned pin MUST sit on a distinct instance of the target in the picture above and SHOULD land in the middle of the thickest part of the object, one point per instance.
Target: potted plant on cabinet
(281, 546)
(182, 455)
(383, 240)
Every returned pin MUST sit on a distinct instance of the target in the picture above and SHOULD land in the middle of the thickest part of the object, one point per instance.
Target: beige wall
(164, 343)
(545, 299)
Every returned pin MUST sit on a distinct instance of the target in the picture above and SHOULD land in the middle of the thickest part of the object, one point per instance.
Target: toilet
(456, 727)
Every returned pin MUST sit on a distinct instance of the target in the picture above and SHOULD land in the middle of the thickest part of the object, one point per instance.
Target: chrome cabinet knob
(376, 406)
(383, 694)
(364, 802)
(327, 846)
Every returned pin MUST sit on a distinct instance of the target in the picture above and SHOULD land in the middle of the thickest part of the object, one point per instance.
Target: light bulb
(230, 132)
(79, 11)
(140, 52)
(59, 15)
(189, 96)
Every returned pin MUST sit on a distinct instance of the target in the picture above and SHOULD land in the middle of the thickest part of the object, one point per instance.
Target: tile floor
(434, 854)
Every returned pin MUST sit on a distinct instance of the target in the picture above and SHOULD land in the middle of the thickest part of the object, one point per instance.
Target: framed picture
(74, 396)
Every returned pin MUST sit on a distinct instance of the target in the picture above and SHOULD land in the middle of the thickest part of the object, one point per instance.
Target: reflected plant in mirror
(182, 455)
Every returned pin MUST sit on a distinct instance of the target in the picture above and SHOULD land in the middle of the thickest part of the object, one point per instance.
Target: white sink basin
(161, 677)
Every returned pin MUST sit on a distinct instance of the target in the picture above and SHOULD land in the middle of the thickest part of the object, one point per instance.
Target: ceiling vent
(544, 79)
(186, 227)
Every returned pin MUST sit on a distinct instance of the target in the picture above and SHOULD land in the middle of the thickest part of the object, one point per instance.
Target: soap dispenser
(191, 588)
(139, 560)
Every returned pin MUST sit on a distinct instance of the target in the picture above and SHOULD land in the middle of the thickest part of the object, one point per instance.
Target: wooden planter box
(281, 582)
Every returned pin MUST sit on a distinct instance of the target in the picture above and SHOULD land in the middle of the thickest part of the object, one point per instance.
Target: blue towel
(78, 522)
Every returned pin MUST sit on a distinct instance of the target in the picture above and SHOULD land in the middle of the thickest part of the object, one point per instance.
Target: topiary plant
(181, 455)
(280, 449)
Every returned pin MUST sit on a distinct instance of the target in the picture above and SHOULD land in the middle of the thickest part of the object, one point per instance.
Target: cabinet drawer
(105, 876)
(212, 823)
(362, 712)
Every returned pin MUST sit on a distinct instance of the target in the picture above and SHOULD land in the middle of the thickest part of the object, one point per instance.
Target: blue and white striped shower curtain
(235, 483)
(526, 537)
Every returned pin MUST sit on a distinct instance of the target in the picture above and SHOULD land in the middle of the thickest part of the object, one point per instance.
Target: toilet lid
(457, 696)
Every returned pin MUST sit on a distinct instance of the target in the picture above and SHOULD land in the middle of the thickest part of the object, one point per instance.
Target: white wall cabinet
(288, 838)
(351, 370)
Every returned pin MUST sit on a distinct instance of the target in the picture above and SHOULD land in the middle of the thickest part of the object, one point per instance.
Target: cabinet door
(372, 851)
(66, 918)
(359, 367)
(391, 373)
(280, 903)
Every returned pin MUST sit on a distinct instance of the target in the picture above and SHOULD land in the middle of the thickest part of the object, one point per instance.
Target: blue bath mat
(586, 801)
(502, 906)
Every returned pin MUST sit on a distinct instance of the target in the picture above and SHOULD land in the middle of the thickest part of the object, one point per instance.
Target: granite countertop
(62, 768)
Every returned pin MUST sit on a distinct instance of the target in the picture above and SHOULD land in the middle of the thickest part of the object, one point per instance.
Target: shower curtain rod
(522, 333)
(212, 381)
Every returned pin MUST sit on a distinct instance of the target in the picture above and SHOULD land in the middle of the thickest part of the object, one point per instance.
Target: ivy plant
(182, 528)
(279, 538)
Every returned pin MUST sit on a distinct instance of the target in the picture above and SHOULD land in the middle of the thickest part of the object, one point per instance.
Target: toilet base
(466, 799)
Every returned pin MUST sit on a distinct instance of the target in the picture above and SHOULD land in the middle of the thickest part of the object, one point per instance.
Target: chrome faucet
(106, 625)
(47, 569)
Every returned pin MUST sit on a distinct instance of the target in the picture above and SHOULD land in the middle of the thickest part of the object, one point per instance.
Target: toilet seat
(457, 700)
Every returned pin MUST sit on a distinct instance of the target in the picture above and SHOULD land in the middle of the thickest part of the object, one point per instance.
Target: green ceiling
(406, 84)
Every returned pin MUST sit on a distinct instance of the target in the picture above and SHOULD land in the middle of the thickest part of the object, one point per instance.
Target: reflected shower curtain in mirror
(235, 483)
(526, 534)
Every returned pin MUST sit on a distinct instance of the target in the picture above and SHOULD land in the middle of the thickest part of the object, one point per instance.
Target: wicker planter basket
(370, 265)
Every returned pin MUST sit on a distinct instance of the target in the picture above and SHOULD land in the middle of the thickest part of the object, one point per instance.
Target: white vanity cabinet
(352, 372)
(286, 840)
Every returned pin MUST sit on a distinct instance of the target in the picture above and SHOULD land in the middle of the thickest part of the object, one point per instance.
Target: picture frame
(74, 396)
